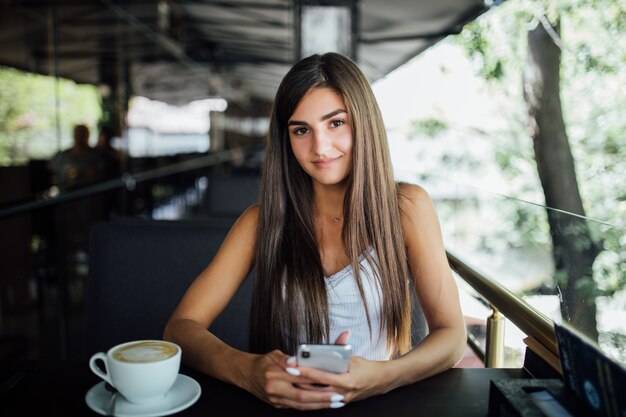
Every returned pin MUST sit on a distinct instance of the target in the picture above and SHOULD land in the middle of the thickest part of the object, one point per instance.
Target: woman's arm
(262, 375)
(205, 299)
(435, 288)
(438, 296)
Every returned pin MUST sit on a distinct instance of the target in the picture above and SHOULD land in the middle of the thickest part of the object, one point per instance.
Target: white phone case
(330, 358)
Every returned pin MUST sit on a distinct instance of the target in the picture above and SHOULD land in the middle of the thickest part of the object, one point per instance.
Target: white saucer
(183, 394)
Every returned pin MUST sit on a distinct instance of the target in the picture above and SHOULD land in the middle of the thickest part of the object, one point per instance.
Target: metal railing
(127, 180)
(503, 302)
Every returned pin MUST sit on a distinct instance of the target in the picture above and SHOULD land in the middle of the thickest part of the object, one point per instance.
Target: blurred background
(510, 114)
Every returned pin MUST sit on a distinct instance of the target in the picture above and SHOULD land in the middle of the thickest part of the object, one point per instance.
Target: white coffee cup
(142, 370)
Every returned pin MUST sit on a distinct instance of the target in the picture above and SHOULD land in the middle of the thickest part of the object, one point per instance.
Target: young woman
(337, 247)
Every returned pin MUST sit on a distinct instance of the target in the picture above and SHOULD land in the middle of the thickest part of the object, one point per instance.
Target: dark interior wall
(15, 241)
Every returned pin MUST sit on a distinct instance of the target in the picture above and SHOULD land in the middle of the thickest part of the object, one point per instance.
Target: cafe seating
(139, 271)
(230, 195)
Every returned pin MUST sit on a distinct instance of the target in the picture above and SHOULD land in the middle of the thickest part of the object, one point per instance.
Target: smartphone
(330, 358)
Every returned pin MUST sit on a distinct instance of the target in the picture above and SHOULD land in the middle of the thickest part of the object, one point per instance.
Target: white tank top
(347, 311)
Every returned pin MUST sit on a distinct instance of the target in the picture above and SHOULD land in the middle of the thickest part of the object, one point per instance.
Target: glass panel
(511, 242)
(44, 253)
(466, 140)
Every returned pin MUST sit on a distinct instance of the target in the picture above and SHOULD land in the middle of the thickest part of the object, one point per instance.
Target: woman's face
(320, 133)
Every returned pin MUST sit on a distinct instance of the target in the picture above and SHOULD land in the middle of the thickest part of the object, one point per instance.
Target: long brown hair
(290, 304)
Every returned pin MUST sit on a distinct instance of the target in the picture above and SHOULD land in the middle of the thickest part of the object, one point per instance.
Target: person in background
(78, 165)
(337, 247)
(74, 168)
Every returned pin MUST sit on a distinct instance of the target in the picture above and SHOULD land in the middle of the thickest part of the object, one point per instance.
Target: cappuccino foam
(142, 352)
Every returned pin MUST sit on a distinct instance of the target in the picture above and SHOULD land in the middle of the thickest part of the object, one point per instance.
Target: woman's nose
(322, 143)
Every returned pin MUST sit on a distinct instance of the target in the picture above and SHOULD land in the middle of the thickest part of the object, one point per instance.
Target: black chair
(230, 195)
(139, 271)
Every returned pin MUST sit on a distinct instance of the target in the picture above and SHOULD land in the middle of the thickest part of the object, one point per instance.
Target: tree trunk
(574, 250)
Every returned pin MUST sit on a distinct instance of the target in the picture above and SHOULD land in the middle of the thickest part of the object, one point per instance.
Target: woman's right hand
(269, 381)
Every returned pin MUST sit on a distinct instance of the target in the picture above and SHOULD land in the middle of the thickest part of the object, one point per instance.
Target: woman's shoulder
(412, 194)
(415, 204)
(250, 215)
(249, 219)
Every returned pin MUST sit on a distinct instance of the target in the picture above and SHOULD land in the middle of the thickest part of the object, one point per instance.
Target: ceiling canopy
(181, 50)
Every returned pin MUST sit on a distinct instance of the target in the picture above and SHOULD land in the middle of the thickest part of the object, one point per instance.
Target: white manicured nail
(336, 405)
(293, 371)
(291, 360)
(336, 398)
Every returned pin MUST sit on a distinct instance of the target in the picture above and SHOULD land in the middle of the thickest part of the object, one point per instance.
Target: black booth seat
(139, 271)
(231, 195)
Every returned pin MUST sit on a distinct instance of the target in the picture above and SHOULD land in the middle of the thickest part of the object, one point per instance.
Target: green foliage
(594, 104)
(487, 44)
(427, 127)
(28, 116)
(477, 47)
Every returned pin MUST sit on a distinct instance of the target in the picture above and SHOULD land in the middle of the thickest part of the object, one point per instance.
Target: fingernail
(291, 360)
(337, 405)
(293, 371)
(336, 398)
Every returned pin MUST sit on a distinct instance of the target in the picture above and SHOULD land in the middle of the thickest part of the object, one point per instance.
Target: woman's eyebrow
(332, 114)
(325, 117)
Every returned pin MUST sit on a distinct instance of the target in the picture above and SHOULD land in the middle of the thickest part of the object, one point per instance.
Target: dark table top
(51, 388)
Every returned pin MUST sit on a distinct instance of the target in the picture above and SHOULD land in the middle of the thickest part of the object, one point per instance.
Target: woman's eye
(336, 123)
(300, 131)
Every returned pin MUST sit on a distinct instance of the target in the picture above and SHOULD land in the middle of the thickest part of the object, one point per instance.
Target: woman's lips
(324, 163)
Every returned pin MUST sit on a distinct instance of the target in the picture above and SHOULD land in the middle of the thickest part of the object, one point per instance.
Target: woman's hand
(362, 380)
(271, 383)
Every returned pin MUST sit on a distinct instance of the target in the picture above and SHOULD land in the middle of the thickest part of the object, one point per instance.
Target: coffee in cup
(142, 370)
(144, 351)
